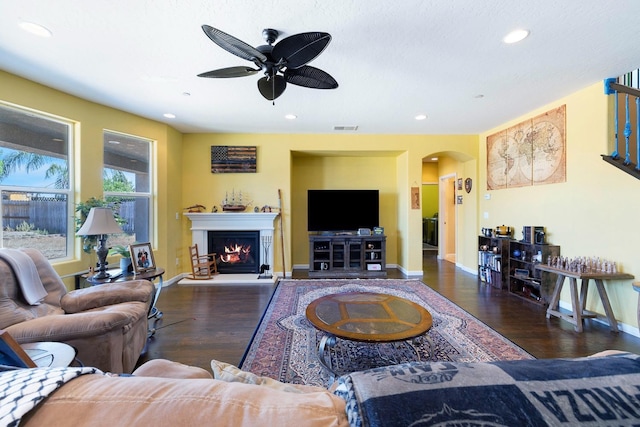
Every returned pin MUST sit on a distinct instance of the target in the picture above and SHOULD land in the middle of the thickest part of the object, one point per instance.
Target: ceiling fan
(282, 63)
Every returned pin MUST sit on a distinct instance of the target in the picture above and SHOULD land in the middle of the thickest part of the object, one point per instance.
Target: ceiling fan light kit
(282, 63)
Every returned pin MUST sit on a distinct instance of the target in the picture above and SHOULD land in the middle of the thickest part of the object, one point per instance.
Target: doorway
(447, 218)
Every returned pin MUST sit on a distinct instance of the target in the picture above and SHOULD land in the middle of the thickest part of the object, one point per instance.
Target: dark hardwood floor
(204, 323)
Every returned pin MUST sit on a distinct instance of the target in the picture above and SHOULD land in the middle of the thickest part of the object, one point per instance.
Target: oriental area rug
(285, 344)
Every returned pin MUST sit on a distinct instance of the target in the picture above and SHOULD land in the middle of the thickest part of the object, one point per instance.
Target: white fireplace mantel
(202, 223)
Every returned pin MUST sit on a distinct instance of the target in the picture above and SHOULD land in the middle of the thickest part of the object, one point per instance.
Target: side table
(578, 303)
(50, 354)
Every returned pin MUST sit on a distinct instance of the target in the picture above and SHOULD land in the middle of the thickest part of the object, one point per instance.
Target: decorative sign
(415, 198)
(530, 153)
(233, 159)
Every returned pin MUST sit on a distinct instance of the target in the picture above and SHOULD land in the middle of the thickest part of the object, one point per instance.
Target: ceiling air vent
(346, 128)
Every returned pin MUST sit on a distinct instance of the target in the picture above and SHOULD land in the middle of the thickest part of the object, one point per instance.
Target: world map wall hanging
(532, 152)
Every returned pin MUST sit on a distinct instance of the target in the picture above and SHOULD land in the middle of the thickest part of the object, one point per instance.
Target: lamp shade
(99, 221)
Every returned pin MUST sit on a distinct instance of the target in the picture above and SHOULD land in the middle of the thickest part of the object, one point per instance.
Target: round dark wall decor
(467, 185)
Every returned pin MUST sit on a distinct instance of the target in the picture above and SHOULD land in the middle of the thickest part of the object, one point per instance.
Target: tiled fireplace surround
(202, 223)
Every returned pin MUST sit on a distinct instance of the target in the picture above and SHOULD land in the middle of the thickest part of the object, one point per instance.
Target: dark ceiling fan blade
(309, 76)
(224, 73)
(299, 49)
(233, 45)
(272, 88)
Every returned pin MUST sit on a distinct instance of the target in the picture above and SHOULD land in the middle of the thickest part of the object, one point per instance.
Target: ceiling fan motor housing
(270, 35)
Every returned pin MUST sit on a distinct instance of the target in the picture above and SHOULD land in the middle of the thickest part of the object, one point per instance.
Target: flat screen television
(342, 210)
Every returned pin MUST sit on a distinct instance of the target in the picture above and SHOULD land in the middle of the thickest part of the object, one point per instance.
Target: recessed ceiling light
(36, 29)
(421, 117)
(186, 94)
(114, 142)
(515, 36)
(290, 117)
(169, 115)
(434, 159)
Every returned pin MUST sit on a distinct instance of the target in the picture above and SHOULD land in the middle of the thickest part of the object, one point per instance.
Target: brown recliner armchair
(106, 324)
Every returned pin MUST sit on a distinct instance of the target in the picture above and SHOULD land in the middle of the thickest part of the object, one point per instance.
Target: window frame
(150, 194)
(69, 192)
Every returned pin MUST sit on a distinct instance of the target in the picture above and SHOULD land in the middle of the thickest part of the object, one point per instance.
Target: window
(128, 184)
(35, 174)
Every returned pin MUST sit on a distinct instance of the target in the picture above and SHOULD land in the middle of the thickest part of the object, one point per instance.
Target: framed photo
(142, 257)
(459, 184)
(11, 354)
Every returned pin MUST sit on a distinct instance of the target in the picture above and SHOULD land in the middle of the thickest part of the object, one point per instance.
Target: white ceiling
(392, 59)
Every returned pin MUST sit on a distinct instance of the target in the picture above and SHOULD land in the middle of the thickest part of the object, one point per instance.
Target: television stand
(346, 256)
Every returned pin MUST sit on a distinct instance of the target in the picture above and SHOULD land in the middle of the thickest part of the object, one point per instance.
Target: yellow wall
(594, 213)
(429, 190)
(91, 120)
(322, 172)
(429, 200)
(392, 163)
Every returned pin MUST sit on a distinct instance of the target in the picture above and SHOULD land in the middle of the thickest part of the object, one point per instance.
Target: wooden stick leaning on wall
(284, 269)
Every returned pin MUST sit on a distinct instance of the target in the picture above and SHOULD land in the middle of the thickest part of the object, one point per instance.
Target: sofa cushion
(582, 391)
(163, 368)
(230, 373)
(98, 400)
(23, 389)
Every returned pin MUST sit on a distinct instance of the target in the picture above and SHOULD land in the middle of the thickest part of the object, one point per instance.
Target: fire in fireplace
(237, 251)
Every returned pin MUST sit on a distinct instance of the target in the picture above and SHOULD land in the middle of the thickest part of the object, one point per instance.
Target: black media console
(347, 255)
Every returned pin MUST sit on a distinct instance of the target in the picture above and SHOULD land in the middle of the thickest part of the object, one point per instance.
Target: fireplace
(236, 251)
(261, 223)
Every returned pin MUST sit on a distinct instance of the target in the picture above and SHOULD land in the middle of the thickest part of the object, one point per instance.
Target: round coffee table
(367, 317)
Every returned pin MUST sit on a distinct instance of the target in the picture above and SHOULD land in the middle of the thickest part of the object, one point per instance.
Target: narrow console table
(579, 302)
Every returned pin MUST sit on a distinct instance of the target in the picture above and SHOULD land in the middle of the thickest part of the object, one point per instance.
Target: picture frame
(11, 354)
(459, 184)
(233, 159)
(142, 257)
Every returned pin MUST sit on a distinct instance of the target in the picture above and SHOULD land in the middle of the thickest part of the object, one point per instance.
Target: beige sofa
(601, 390)
(165, 393)
(106, 324)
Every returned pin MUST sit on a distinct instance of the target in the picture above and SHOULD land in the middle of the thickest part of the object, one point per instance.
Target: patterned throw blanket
(547, 392)
(22, 389)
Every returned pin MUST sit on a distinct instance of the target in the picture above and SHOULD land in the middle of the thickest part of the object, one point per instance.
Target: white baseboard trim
(632, 330)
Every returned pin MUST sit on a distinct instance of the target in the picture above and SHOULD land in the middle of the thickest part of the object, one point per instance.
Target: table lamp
(100, 222)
